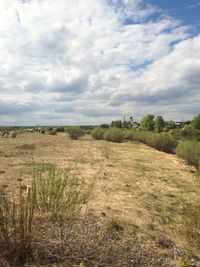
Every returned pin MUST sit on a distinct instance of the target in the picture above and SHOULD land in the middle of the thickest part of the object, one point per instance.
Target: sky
(75, 62)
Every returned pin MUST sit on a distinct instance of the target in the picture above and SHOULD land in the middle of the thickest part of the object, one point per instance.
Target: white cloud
(92, 55)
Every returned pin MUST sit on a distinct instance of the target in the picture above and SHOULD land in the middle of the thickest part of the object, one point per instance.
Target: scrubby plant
(53, 196)
(60, 129)
(97, 133)
(128, 135)
(196, 122)
(58, 191)
(75, 132)
(16, 221)
(53, 132)
(190, 132)
(13, 135)
(161, 142)
(189, 151)
(113, 135)
(159, 123)
(5, 134)
(42, 131)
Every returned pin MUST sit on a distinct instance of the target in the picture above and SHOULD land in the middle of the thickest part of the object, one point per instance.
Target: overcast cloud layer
(88, 62)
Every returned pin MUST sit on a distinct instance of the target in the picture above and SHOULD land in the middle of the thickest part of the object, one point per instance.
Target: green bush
(42, 131)
(75, 132)
(13, 135)
(113, 135)
(128, 135)
(58, 191)
(16, 221)
(98, 133)
(52, 132)
(54, 195)
(190, 132)
(161, 142)
(189, 151)
(5, 134)
(60, 129)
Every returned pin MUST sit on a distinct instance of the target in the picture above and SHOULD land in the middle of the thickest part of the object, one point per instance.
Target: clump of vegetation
(52, 132)
(189, 151)
(75, 132)
(162, 142)
(147, 123)
(13, 135)
(60, 129)
(42, 131)
(190, 132)
(196, 122)
(52, 196)
(113, 135)
(58, 191)
(16, 222)
(5, 134)
(165, 143)
(98, 133)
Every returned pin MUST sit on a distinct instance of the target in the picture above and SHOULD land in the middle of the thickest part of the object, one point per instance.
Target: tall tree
(159, 123)
(196, 122)
(147, 123)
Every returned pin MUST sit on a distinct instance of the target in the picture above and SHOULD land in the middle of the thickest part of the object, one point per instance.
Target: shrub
(5, 134)
(128, 135)
(16, 222)
(42, 131)
(53, 132)
(13, 135)
(53, 195)
(98, 133)
(58, 192)
(75, 132)
(87, 131)
(113, 135)
(190, 132)
(164, 143)
(60, 129)
(189, 151)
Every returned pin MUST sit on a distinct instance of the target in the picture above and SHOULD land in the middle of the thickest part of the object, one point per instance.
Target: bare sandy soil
(137, 185)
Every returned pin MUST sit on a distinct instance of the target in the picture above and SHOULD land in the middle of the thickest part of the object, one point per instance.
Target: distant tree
(147, 123)
(159, 123)
(170, 124)
(116, 124)
(104, 126)
(125, 124)
(196, 122)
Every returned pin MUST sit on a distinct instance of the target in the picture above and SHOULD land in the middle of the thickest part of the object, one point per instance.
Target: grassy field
(133, 184)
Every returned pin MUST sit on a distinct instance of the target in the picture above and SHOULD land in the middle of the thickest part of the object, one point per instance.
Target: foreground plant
(53, 195)
(16, 221)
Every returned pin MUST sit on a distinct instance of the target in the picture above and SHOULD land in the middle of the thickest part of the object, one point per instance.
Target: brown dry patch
(137, 184)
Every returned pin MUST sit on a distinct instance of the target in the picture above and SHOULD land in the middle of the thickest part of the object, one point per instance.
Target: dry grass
(138, 184)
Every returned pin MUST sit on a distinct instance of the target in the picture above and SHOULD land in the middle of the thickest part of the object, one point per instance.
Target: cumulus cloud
(94, 60)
